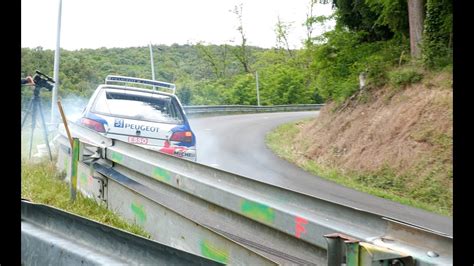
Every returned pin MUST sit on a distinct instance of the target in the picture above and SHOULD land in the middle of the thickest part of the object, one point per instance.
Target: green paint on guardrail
(161, 175)
(139, 212)
(210, 251)
(352, 253)
(117, 157)
(83, 179)
(257, 211)
(74, 162)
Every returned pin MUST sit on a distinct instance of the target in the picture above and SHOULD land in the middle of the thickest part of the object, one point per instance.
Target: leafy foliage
(437, 42)
(392, 13)
(404, 77)
(339, 62)
(371, 37)
(359, 17)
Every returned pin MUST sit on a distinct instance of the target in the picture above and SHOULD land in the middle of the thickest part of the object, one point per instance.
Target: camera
(43, 81)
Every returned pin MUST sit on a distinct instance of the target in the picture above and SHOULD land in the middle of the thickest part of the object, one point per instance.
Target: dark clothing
(24, 81)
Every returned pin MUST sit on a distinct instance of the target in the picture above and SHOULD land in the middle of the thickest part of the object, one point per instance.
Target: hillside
(395, 142)
(203, 74)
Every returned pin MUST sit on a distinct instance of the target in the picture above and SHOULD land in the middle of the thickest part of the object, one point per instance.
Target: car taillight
(92, 124)
(182, 136)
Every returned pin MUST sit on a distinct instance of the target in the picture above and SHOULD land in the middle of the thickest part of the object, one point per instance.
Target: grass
(38, 138)
(405, 76)
(386, 183)
(41, 183)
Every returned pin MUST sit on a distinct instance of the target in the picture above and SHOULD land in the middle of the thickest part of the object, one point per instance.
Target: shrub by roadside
(41, 183)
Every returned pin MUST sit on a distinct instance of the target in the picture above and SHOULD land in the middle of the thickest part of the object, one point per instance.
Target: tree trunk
(415, 18)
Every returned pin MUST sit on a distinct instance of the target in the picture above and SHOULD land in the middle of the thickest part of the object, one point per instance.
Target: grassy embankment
(394, 142)
(41, 183)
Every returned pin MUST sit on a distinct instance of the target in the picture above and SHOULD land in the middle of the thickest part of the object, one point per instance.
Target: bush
(404, 77)
(338, 63)
(438, 33)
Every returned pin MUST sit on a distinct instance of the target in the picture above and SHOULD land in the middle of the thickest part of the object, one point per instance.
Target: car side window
(100, 103)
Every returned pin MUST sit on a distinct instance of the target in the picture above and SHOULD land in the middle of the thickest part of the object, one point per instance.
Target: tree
(309, 23)
(381, 19)
(281, 30)
(358, 16)
(241, 52)
(216, 57)
(393, 13)
(415, 19)
(207, 55)
(438, 33)
(185, 95)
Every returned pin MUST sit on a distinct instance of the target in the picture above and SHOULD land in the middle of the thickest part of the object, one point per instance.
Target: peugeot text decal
(120, 123)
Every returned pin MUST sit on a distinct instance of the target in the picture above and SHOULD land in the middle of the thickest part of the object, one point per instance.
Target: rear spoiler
(155, 83)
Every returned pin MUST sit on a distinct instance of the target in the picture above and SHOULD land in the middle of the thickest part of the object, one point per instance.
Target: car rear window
(138, 105)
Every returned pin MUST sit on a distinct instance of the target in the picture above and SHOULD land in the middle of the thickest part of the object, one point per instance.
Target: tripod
(33, 107)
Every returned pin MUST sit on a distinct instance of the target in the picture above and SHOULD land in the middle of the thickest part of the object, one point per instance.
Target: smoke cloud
(72, 105)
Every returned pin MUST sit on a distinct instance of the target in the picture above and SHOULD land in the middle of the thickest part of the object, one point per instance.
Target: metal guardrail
(272, 223)
(229, 109)
(137, 203)
(50, 236)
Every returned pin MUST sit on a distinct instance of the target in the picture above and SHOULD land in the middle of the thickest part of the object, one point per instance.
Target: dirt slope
(394, 138)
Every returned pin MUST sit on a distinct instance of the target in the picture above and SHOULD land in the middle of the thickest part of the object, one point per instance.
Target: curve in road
(236, 143)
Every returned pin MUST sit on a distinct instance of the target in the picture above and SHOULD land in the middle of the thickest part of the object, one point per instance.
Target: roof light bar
(148, 82)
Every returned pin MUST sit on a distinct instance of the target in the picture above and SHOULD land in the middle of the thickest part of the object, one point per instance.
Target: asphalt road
(236, 143)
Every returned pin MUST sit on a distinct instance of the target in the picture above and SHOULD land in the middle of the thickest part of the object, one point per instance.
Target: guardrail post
(352, 253)
(74, 162)
(338, 252)
(335, 250)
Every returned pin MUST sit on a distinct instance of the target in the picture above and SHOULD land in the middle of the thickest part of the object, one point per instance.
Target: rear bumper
(180, 152)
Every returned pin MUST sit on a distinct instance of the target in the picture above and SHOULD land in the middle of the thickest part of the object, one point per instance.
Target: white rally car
(149, 118)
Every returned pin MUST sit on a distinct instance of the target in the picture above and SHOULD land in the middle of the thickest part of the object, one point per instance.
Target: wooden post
(65, 122)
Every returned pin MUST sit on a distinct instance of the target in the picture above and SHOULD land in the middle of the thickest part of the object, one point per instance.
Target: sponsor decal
(182, 153)
(121, 124)
(118, 123)
(137, 140)
(177, 151)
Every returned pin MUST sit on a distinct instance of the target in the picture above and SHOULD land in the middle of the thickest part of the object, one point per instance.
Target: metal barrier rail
(226, 109)
(50, 236)
(283, 225)
(139, 204)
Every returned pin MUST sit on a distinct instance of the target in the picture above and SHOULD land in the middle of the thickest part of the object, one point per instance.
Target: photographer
(40, 81)
(28, 81)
